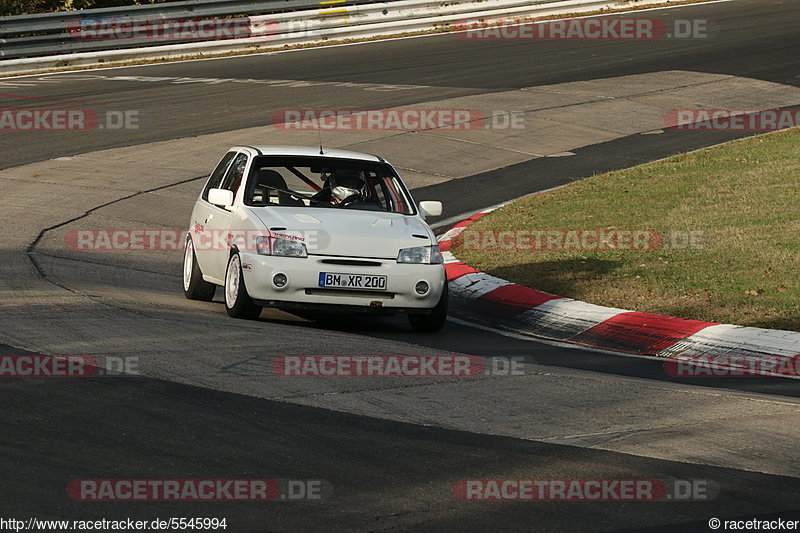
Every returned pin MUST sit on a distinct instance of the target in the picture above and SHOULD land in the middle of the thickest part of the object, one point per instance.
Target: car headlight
(280, 247)
(428, 255)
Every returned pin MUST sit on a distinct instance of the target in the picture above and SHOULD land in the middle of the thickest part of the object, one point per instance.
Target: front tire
(237, 302)
(194, 286)
(434, 320)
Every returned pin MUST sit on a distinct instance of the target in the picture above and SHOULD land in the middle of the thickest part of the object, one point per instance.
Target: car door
(203, 243)
(218, 222)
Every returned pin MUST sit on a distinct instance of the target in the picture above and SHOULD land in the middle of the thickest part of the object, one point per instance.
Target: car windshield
(316, 182)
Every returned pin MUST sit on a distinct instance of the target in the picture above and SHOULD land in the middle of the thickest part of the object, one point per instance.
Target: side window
(233, 178)
(398, 197)
(216, 176)
(377, 185)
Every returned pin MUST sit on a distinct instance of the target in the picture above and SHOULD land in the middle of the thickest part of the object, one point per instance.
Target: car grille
(351, 262)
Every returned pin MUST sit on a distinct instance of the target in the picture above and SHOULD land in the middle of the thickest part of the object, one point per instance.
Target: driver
(341, 185)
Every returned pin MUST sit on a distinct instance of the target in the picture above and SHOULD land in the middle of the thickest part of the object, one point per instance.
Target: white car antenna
(319, 132)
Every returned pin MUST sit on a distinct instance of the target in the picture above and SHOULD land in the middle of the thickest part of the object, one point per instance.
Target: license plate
(352, 281)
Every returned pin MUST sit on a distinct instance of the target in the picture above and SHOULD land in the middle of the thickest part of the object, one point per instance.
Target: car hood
(349, 233)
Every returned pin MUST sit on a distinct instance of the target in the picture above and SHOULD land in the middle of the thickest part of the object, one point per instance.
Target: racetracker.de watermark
(67, 366)
(393, 366)
(204, 490)
(733, 366)
(731, 119)
(591, 29)
(151, 29)
(399, 119)
(607, 239)
(171, 240)
(24, 119)
(597, 490)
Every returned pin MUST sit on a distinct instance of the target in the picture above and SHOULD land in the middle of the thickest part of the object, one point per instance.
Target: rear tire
(434, 320)
(194, 286)
(237, 302)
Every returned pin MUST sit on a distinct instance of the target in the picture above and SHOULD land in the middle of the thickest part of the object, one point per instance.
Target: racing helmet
(346, 183)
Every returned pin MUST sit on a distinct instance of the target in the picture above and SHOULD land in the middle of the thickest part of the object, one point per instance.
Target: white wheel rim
(188, 263)
(232, 279)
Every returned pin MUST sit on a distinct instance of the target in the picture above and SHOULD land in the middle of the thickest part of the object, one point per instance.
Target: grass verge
(739, 202)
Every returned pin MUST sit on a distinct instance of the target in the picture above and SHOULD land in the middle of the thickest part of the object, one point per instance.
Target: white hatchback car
(303, 229)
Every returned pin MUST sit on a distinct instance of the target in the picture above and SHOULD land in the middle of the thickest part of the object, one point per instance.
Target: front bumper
(303, 275)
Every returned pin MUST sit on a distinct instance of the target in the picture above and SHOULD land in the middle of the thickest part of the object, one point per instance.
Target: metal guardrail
(55, 39)
(56, 33)
(59, 20)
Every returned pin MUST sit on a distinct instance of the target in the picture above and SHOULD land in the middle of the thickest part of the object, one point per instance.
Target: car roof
(311, 151)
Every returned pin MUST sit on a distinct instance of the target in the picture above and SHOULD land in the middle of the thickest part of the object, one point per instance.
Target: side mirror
(430, 208)
(222, 197)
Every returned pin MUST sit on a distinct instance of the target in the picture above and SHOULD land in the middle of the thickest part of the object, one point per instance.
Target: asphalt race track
(757, 39)
(206, 405)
